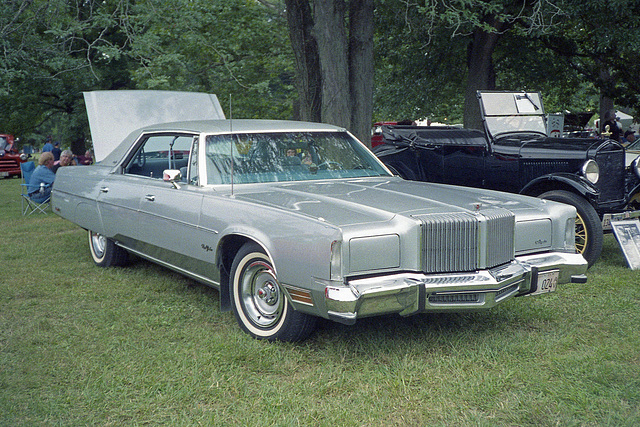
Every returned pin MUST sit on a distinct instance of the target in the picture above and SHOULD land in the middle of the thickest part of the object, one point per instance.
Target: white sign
(555, 125)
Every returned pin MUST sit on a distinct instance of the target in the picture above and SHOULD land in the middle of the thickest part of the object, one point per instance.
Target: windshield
(288, 156)
(635, 145)
(507, 112)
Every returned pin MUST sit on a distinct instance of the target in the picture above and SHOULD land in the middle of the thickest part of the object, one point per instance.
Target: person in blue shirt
(42, 179)
(48, 146)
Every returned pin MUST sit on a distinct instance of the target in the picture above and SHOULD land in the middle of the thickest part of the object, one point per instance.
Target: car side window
(160, 152)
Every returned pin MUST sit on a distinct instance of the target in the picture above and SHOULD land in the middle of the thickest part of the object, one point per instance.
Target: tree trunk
(481, 73)
(334, 63)
(305, 50)
(606, 103)
(331, 35)
(361, 68)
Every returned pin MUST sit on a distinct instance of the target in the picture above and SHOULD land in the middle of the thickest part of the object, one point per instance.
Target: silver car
(293, 221)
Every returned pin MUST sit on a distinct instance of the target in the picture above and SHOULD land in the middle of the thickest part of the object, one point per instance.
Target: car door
(118, 204)
(168, 213)
(464, 152)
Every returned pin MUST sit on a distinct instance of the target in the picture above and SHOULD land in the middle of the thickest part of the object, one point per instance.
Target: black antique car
(513, 153)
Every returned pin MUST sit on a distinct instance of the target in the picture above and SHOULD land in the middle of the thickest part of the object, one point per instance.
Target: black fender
(635, 191)
(562, 181)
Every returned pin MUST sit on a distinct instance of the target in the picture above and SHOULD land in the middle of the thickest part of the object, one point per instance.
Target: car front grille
(8, 164)
(611, 160)
(463, 241)
(532, 169)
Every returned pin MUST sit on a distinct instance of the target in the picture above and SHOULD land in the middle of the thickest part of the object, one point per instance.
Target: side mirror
(172, 176)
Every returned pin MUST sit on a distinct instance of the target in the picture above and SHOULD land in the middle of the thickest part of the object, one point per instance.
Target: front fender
(634, 195)
(559, 181)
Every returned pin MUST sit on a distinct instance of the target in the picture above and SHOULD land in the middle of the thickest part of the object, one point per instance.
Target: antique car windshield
(508, 112)
(515, 124)
(287, 156)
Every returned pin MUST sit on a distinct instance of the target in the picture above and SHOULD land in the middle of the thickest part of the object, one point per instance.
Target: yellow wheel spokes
(581, 235)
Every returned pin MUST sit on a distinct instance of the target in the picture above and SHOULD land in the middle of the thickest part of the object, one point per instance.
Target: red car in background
(376, 133)
(10, 158)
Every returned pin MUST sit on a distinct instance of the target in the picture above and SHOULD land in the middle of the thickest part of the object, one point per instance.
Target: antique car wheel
(259, 302)
(588, 225)
(104, 252)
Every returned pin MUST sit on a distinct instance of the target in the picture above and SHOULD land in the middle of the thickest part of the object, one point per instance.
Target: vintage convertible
(513, 153)
(294, 221)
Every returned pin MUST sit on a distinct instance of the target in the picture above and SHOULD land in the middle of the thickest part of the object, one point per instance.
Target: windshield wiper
(528, 98)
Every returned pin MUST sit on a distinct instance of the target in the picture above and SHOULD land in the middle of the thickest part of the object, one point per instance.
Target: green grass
(140, 345)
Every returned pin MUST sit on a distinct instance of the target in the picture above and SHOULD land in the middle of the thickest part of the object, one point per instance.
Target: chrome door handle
(150, 197)
(104, 189)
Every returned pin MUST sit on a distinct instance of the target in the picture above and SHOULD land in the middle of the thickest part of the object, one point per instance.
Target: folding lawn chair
(30, 206)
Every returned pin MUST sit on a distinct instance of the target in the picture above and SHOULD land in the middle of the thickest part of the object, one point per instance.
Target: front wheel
(589, 235)
(105, 252)
(259, 302)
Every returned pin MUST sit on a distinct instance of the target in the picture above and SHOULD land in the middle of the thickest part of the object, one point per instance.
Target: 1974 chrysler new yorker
(294, 221)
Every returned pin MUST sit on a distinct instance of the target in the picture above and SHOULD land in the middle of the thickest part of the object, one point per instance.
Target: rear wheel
(105, 252)
(259, 302)
(588, 225)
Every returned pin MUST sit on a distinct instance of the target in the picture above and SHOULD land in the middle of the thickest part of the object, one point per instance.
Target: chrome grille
(462, 241)
(500, 226)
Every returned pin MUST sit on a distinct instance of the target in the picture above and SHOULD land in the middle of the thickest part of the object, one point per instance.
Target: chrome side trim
(196, 277)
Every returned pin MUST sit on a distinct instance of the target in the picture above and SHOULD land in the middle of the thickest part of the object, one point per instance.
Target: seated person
(306, 158)
(66, 159)
(87, 159)
(39, 186)
(628, 138)
(292, 158)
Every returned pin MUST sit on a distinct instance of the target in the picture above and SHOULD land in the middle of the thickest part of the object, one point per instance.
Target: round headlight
(591, 171)
(635, 165)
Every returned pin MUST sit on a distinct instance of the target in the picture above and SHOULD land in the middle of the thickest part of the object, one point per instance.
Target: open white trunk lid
(114, 114)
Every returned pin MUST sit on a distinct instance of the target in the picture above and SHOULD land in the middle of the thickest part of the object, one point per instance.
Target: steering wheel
(141, 158)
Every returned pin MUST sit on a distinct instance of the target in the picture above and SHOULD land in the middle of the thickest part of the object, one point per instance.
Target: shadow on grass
(430, 329)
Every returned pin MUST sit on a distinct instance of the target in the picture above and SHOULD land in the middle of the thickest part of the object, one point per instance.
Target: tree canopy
(428, 57)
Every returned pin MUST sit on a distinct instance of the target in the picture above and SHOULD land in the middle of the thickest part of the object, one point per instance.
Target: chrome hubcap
(262, 299)
(98, 243)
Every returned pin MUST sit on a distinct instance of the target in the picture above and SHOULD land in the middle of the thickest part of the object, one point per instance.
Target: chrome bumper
(411, 293)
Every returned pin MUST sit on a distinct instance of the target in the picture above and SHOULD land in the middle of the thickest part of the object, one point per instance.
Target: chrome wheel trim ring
(260, 294)
(98, 244)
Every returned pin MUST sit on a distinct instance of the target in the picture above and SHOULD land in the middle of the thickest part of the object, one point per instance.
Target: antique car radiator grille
(611, 183)
(532, 169)
(467, 242)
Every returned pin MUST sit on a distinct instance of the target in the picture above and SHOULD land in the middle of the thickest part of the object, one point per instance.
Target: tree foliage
(574, 52)
(53, 50)
(236, 49)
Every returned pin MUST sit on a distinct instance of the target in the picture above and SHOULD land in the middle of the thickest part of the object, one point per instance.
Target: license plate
(547, 282)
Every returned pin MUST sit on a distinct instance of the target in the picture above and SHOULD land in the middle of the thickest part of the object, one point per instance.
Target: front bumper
(412, 293)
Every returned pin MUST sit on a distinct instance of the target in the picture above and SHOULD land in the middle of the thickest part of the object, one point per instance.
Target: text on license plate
(547, 282)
